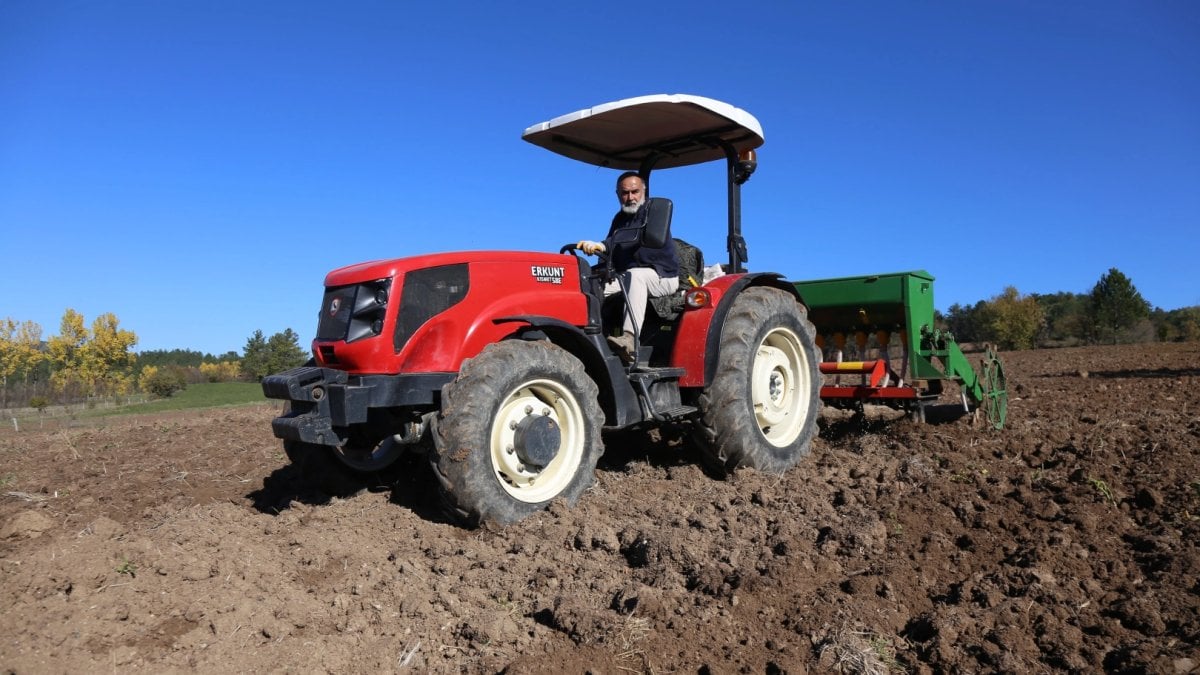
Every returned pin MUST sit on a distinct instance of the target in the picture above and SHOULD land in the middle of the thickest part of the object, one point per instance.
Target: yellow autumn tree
(66, 355)
(1013, 320)
(223, 371)
(92, 362)
(108, 356)
(20, 351)
(146, 377)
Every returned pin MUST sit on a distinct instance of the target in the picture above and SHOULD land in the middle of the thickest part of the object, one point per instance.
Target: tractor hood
(671, 129)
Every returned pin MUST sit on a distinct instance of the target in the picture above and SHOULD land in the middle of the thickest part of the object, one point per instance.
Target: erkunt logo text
(548, 275)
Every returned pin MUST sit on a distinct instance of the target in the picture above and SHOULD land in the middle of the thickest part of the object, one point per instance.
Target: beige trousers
(643, 283)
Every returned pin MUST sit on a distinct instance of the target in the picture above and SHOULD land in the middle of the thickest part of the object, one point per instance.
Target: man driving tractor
(643, 271)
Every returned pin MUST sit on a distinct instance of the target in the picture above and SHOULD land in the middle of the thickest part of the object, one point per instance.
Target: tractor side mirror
(658, 222)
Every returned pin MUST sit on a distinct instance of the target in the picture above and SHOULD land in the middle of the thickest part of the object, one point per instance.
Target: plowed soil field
(1069, 542)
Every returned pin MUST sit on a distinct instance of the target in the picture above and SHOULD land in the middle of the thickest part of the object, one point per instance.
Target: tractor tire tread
(470, 489)
(726, 433)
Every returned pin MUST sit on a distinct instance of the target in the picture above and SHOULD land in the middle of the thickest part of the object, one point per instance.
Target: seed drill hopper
(900, 359)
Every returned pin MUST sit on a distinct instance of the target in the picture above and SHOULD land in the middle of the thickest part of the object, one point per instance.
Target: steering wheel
(603, 265)
(574, 250)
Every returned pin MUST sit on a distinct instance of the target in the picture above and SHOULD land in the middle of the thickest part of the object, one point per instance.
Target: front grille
(353, 312)
(426, 294)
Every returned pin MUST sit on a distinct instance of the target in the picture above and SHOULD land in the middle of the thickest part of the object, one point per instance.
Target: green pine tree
(255, 357)
(284, 352)
(1116, 306)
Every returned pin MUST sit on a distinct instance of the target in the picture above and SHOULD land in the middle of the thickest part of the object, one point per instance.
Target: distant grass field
(204, 395)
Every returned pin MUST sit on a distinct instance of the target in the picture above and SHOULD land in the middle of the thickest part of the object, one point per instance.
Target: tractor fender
(617, 396)
(700, 329)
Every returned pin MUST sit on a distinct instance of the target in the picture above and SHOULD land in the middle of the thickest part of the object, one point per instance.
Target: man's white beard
(631, 208)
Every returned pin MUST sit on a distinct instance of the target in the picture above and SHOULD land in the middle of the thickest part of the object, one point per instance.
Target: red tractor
(496, 364)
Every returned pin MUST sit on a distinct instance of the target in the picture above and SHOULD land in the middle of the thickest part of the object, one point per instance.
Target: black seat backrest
(658, 222)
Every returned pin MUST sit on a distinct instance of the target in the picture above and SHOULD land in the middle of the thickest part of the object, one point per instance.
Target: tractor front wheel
(519, 427)
(334, 469)
(760, 410)
(317, 467)
(368, 457)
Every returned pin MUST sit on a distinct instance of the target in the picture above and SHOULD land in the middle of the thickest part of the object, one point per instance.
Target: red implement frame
(875, 385)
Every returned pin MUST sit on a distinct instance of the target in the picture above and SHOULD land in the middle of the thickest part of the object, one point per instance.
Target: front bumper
(327, 403)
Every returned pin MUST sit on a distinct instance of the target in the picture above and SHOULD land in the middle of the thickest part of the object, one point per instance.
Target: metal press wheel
(995, 390)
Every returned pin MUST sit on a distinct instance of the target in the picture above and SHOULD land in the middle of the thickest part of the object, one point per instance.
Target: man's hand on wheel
(590, 247)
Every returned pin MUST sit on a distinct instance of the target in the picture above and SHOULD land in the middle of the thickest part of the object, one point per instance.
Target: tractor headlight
(697, 298)
(354, 312)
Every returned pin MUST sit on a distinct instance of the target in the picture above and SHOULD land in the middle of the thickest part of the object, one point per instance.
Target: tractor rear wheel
(760, 411)
(519, 427)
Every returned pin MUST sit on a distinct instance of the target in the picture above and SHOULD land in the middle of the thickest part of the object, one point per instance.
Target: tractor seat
(691, 267)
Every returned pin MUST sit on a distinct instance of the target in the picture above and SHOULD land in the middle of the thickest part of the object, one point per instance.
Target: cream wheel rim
(550, 399)
(780, 387)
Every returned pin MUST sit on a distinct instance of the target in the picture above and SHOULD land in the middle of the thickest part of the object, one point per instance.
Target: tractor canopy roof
(659, 131)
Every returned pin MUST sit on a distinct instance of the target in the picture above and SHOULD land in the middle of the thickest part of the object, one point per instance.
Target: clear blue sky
(197, 167)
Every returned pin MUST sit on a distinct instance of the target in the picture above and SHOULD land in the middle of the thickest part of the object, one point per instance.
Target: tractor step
(658, 389)
(677, 413)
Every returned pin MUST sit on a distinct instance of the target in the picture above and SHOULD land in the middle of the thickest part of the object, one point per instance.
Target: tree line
(83, 363)
(1113, 312)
